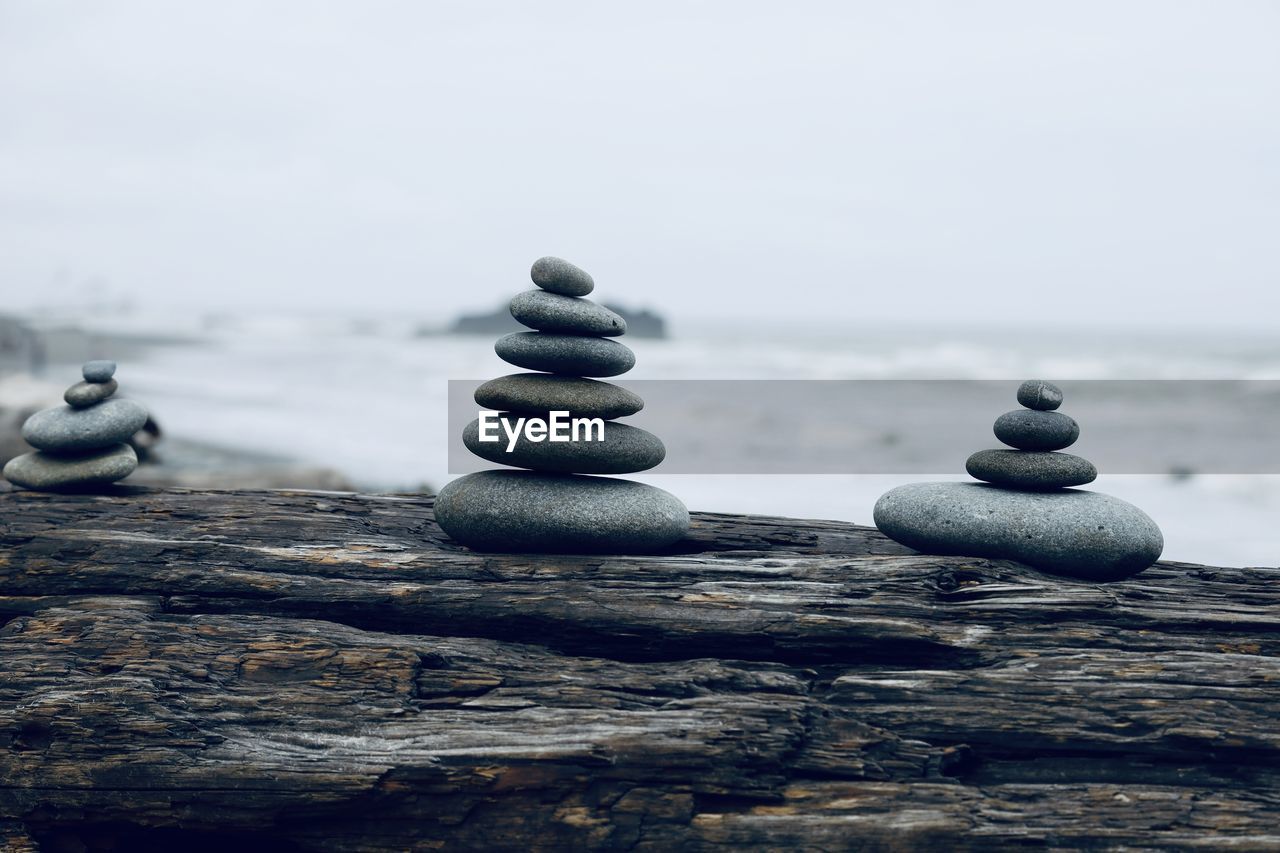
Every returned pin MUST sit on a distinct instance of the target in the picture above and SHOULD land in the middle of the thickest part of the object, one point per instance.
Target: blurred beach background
(271, 216)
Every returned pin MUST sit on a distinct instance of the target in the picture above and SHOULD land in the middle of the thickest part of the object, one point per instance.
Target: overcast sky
(969, 161)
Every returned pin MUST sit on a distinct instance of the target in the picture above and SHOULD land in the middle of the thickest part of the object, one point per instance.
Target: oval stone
(538, 393)
(85, 394)
(1035, 430)
(99, 370)
(1030, 469)
(44, 472)
(1040, 395)
(623, 450)
(64, 428)
(559, 276)
(1082, 534)
(574, 355)
(568, 315)
(524, 511)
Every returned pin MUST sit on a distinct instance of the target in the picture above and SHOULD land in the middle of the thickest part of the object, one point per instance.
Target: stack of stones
(83, 443)
(1037, 432)
(552, 506)
(1025, 510)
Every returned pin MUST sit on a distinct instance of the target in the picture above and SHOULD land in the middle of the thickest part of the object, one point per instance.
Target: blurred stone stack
(83, 443)
(551, 507)
(1025, 509)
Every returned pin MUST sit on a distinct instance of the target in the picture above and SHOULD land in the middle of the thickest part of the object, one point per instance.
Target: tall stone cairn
(554, 505)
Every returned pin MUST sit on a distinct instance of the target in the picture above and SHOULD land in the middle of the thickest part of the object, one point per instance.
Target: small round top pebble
(98, 371)
(559, 276)
(1040, 395)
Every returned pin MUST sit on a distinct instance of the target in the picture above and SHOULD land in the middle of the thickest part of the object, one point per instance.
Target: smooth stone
(573, 355)
(100, 370)
(64, 428)
(554, 312)
(1030, 469)
(523, 511)
(559, 276)
(41, 471)
(538, 393)
(84, 394)
(624, 450)
(1040, 395)
(1026, 429)
(1078, 533)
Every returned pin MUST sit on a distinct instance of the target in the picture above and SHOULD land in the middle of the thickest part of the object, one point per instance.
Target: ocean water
(367, 396)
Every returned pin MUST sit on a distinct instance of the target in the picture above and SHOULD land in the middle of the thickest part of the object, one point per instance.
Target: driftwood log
(315, 671)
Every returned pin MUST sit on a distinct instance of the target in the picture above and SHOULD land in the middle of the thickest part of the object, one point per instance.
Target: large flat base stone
(45, 472)
(1070, 532)
(519, 511)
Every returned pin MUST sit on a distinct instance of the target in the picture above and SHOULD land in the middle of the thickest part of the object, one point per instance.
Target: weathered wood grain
(318, 671)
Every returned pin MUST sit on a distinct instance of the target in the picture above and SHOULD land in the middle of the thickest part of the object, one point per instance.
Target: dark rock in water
(559, 276)
(145, 440)
(640, 324)
(1026, 429)
(64, 428)
(575, 355)
(623, 450)
(1083, 534)
(525, 511)
(85, 394)
(45, 472)
(538, 393)
(1030, 469)
(566, 315)
(98, 371)
(1040, 395)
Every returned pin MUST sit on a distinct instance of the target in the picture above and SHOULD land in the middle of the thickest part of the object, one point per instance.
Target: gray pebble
(98, 371)
(1078, 533)
(525, 511)
(1040, 395)
(568, 315)
(624, 450)
(42, 471)
(66, 429)
(536, 393)
(574, 355)
(85, 394)
(559, 276)
(1027, 429)
(1031, 469)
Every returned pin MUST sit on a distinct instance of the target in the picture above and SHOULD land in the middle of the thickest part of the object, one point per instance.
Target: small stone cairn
(1025, 509)
(551, 507)
(1036, 432)
(83, 443)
